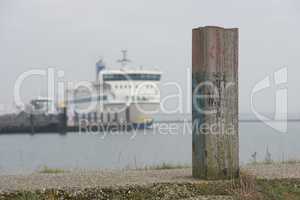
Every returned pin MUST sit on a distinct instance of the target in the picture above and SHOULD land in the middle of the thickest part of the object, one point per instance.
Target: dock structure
(215, 145)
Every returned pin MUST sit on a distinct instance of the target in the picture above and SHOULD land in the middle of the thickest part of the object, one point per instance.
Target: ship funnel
(100, 65)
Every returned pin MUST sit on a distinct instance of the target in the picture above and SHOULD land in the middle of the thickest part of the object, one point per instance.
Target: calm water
(27, 153)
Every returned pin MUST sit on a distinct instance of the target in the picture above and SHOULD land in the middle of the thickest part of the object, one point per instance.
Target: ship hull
(135, 115)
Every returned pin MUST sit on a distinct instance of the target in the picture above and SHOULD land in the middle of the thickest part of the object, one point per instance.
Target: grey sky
(71, 35)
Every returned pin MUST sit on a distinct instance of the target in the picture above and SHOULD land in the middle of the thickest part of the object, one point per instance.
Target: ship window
(76, 117)
(95, 117)
(101, 116)
(89, 117)
(88, 99)
(116, 117)
(108, 117)
(134, 77)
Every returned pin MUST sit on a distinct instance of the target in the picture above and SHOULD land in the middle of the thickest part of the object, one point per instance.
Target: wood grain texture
(215, 103)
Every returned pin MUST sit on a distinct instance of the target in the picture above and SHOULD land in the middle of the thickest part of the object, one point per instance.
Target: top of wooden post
(213, 27)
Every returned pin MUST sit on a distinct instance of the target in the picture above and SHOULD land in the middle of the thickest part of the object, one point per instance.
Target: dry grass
(165, 166)
(244, 188)
(48, 170)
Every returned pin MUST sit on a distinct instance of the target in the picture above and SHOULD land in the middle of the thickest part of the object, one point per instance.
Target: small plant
(25, 195)
(244, 188)
(254, 158)
(268, 157)
(52, 195)
(48, 170)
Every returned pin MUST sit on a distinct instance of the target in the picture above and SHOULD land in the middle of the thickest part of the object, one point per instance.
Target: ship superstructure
(125, 95)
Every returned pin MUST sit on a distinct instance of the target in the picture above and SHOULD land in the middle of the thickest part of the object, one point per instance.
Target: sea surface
(166, 143)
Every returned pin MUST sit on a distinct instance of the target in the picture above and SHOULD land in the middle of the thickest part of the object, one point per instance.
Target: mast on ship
(124, 61)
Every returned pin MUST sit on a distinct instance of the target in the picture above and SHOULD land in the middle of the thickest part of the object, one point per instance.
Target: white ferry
(117, 96)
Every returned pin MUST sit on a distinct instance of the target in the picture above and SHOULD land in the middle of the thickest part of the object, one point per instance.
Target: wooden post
(215, 103)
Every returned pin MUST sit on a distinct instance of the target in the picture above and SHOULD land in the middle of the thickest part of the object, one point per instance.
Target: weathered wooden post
(215, 103)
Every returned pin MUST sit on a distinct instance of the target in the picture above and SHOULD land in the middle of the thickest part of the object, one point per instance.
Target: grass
(291, 162)
(279, 189)
(165, 166)
(25, 195)
(48, 170)
(249, 187)
(275, 162)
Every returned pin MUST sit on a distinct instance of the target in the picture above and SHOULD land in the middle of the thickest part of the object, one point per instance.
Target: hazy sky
(71, 35)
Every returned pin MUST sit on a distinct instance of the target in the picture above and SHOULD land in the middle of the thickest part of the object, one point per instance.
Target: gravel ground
(174, 181)
(106, 178)
(96, 178)
(211, 198)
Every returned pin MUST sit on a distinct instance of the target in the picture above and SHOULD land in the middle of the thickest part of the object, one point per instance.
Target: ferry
(126, 95)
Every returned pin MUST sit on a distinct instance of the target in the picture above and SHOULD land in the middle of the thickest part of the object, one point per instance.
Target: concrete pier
(215, 103)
